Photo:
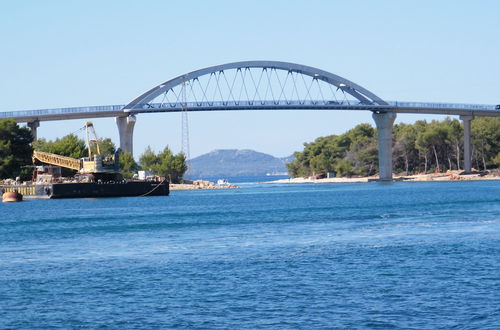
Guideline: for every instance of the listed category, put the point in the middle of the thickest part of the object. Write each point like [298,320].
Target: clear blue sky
[76,53]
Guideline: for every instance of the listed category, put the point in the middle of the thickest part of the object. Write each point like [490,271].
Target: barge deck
[89,190]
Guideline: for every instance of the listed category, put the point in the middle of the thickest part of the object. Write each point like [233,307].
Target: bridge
[263,85]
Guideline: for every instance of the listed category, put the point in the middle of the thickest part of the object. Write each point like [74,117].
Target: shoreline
[200,184]
[447,176]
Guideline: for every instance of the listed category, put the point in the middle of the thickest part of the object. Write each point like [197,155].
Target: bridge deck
[118,110]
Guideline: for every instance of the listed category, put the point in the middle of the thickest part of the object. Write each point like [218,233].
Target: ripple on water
[408,255]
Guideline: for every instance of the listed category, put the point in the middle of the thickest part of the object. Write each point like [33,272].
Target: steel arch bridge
[259,85]
[255,85]
[262,85]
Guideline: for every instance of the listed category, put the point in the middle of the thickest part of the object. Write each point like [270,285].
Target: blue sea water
[246,179]
[418,255]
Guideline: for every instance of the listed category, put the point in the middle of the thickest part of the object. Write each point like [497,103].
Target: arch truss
[255,85]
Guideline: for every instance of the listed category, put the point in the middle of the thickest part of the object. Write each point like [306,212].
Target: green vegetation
[352,153]
[419,147]
[164,164]
[69,146]
[128,166]
[107,147]
[15,150]
[486,142]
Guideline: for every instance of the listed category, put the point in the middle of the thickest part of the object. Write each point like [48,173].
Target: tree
[421,146]
[485,140]
[366,158]
[69,146]
[179,167]
[148,160]
[15,149]
[437,138]
[164,164]
[72,146]
[320,164]
[456,134]
[496,160]
[343,168]
[294,168]
[128,166]
[363,151]
[107,147]
[406,154]
[352,153]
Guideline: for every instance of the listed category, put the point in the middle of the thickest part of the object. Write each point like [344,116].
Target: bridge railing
[61,111]
[310,103]
[432,105]
[245,103]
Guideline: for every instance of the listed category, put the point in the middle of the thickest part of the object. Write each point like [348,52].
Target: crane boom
[91,139]
[95,166]
[57,160]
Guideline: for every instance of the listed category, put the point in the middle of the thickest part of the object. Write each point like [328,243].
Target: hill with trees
[422,147]
[233,162]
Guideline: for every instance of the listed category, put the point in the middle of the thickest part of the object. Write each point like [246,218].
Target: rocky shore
[200,184]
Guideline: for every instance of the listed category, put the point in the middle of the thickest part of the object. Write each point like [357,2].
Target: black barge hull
[90,190]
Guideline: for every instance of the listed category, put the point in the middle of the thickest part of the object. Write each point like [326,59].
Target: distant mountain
[233,162]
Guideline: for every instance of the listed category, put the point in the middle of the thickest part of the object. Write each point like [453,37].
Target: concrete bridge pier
[384,122]
[467,143]
[33,125]
[126,131]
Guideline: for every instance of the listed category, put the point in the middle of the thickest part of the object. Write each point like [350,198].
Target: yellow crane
[57,160]
[94,166]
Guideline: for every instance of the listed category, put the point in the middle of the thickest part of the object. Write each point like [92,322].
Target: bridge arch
[362,95]
[384,113]
[178,86]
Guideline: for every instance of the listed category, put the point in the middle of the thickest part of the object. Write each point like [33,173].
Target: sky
[67,53]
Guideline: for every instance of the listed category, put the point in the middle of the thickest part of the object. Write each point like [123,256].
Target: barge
[89,189]
[97,176]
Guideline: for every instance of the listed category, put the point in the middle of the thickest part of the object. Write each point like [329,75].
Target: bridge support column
[126,131]
[33,125]
[384,122]
[467,143]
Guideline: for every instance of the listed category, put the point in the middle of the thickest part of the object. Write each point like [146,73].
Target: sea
[402,255]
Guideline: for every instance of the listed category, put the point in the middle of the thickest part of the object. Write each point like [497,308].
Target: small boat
[222,182]
[11,196]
